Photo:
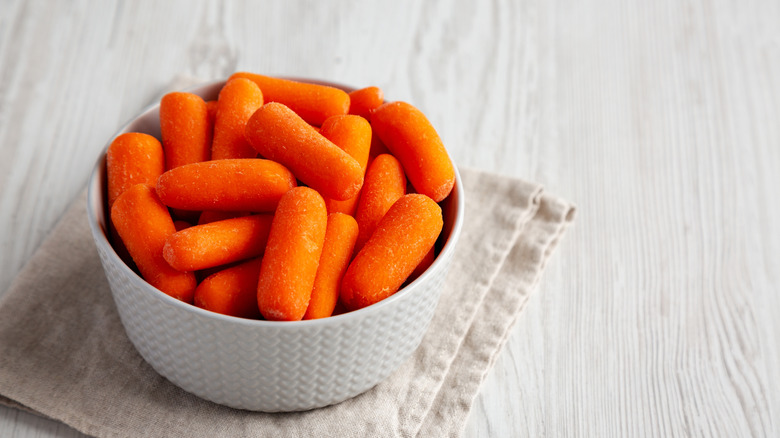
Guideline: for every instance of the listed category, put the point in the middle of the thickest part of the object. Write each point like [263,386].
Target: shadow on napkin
[64,353]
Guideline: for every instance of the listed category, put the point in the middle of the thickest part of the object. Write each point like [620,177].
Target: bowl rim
[99,234]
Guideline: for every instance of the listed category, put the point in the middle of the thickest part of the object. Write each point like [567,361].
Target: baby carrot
[410,136]
[278,134]
[231,291]
[132,158]
[340,237]
[385,183]
[217,243]
[313,103]
[204,148]
[292,255]
[399,244]
[185,128]
[238,100]
[353,135]
[362,101]
[247,184]
[144,223]
[210,216]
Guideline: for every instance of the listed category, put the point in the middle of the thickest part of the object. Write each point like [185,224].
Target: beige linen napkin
[64,353]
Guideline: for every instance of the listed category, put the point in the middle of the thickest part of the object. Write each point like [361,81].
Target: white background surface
[658,315]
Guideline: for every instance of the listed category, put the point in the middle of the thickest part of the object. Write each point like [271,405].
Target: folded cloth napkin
[65,355]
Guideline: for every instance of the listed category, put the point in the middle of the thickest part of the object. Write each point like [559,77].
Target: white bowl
[267,365]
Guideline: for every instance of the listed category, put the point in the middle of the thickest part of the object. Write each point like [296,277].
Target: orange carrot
[247,184]
[278,134]
[144,223]
[399,244]
[231,291]
[410,136]
[189,215]
[385,183]
[353,135]
[292,255]
[238,100]
[133,158]
[185,128]
[313,103]
[210,216]
[217,243]
[340,237]
[362,101]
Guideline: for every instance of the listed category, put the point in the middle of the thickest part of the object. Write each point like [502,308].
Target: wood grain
[659,119]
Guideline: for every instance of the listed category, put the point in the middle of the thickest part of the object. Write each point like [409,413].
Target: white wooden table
[661,120]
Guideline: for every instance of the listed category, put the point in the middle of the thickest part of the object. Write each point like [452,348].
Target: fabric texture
[65,355]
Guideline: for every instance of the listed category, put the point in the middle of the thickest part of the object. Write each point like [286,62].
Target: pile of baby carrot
[280,200]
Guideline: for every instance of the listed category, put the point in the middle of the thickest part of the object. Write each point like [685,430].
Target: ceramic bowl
[267,365]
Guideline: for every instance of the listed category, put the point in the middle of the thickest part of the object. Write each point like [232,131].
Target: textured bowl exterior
[266,365]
